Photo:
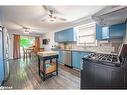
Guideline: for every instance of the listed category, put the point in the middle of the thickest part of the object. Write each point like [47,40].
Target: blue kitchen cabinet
[98,32]
[77,58]
[102,33]
[60,59]
[117,31]
[56,36]
[68,35]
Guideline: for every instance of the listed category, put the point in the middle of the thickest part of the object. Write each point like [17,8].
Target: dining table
[29,51]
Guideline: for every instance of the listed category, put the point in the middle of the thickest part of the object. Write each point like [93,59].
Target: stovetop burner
[104,57]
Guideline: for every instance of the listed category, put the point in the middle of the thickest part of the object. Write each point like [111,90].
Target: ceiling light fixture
[26,30]
[51,20]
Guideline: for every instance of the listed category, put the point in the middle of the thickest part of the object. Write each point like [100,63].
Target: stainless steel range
[105,71]
[107,59]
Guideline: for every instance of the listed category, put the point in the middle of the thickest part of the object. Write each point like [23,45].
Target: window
[87,34]
[26,41]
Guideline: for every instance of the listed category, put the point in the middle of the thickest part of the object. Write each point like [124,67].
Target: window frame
[94,43]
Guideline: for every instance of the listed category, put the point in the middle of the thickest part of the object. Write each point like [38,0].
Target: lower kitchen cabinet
[77,58]
[100,76]
[60,59]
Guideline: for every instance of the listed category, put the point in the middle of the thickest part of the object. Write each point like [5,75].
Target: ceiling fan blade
[55,11]
[47,10]
[60,18]
[50,10]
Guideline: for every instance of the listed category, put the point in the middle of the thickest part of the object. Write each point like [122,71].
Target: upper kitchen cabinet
[68,35]
[98,32]
[56,36]
[112,32]
[117,31]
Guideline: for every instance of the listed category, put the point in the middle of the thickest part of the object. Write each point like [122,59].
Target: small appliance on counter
[105,71]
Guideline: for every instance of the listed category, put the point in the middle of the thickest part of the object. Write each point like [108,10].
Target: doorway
[25,43]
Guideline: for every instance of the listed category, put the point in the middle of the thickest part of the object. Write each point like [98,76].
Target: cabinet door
[76,59]
[117,31]
[56,37]
[87,78]
[62,36]
[99,76]
[60,59]
[117,79]
[94,76]
[98,32]
[68,34]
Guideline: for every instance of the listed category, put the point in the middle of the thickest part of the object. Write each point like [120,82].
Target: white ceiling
[16,17]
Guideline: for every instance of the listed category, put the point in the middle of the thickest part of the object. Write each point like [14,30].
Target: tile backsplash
[112,46]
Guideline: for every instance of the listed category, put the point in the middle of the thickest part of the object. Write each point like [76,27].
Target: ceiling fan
[50,15]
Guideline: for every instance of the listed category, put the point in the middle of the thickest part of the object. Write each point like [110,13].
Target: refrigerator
[4,55]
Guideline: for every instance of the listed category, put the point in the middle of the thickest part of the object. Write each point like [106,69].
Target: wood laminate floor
[24,75]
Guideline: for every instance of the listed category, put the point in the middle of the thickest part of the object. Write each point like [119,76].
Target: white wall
[49,35]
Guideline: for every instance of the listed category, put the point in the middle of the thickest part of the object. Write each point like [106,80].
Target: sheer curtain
[37,44]
[16,51]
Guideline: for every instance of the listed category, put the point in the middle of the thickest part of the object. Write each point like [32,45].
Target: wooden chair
[26,53]
[41,49]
